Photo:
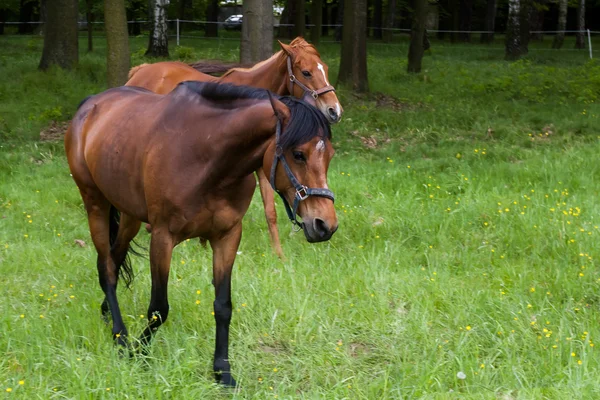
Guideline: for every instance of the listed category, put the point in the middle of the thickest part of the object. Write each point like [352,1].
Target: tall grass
[464,266]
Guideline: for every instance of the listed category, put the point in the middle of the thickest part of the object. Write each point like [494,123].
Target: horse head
[297,162]
[308,73]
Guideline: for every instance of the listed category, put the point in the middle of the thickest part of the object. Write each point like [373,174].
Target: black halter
[293,79]
[302,192]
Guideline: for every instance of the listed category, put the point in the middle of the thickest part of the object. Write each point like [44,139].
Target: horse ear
[278,106]
[287,49]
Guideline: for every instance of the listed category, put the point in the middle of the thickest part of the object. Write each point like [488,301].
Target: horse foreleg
[98,210]
[161,249]
[268,198]
[224,252]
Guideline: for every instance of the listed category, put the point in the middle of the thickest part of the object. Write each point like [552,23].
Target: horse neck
[243,152]
[263,75]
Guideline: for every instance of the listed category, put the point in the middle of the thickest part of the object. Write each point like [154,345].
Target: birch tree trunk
[580,37]
[158,45]
[117,42]
[61,45]
[513,31]
[562,24]
[353,64]
[257,31]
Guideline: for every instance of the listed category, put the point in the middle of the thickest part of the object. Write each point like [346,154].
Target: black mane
[306,122]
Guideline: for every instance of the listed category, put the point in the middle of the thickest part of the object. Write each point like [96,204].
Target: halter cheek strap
[302,192]
[294,80]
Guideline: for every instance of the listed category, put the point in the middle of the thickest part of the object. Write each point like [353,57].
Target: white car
[233,22]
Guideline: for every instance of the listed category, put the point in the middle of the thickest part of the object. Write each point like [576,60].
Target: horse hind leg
[98,210]
[123,228]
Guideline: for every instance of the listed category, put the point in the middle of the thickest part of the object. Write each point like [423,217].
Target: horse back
[163,77]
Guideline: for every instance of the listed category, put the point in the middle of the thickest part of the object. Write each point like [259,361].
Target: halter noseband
[294,80]
[302,192]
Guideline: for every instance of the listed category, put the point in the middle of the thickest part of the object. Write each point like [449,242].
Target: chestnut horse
[295,70]
[183,162]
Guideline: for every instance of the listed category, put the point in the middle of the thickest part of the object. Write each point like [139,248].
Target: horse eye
[306,74]
[299,156]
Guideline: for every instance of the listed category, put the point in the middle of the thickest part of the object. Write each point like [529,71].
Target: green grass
[458,250]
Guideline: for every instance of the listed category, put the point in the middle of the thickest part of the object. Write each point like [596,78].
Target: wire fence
[195,29]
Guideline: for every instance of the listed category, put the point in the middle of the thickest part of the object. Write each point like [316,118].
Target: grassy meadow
[465,265]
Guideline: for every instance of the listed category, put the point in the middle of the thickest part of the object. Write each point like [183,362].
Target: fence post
[590,43]
[177,31]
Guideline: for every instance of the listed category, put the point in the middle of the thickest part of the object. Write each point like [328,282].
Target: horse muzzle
[318,230]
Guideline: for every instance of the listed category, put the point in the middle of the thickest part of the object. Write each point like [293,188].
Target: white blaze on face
[320,67]
[321,146]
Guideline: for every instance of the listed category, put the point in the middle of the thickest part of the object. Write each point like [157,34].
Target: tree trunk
[117,43]
[158,44]
[61,46]
[377,19]
[536,20]
[417,36]
[388,33]
[90,18]
[257,31]
[490,22]
[466,15]
[43,17]
[526,7]
[353,64]
[339,21]
[2,20]
[325,19]
[299,18]
[580,36]
[316,19]
[286,32]
[212,15]
[455,20]
[25,15]
[513,31]
[562,24]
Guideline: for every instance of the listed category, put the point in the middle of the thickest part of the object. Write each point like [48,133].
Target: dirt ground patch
[54,132]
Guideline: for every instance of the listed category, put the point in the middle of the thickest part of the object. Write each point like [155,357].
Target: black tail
[124,267]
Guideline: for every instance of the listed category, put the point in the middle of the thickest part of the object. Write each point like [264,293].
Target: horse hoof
[225,379]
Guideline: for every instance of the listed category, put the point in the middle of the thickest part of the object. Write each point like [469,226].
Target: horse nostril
[320,227]
[332,113]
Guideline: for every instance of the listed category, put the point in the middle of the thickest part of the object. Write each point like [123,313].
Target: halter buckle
[314,94]
[302,193]
[292,78]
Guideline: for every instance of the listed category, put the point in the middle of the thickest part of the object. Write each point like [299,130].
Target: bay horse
[297,70]
[183,162]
